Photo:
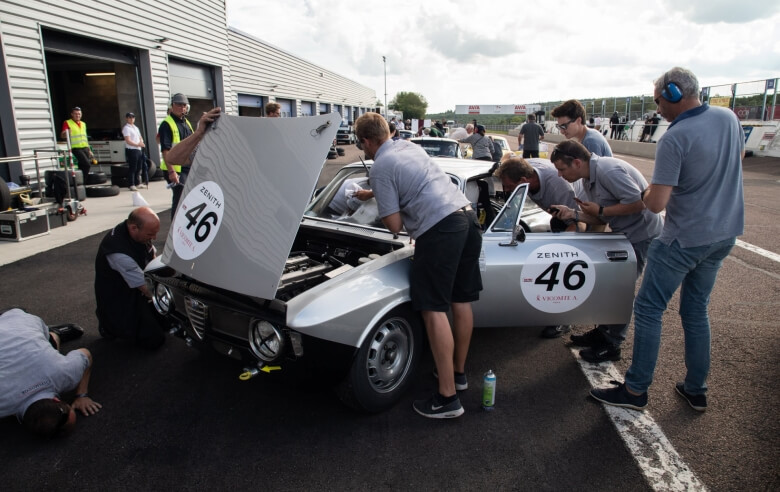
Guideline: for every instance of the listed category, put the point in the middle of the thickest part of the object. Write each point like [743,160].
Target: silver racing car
[257,273]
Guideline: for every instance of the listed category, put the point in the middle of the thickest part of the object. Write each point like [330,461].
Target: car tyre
[96,178]
[102,190]
[385,363]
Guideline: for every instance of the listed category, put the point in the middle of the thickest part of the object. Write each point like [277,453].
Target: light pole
[384,62]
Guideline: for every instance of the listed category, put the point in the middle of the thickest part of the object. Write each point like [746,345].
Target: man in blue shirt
[698,161]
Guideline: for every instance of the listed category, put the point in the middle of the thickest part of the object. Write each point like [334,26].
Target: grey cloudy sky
[521,52]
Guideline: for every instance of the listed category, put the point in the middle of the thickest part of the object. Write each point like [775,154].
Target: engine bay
[318,256]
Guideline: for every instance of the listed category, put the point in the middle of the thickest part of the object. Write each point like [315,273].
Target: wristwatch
[601,210]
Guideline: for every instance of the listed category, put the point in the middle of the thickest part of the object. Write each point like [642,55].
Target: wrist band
[82,395]
[601,211]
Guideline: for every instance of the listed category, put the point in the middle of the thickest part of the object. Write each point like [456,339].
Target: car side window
[509,216]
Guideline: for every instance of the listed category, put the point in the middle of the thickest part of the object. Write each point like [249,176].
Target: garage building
[111,58]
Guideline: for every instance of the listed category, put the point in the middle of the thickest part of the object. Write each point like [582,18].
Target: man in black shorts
[448,240]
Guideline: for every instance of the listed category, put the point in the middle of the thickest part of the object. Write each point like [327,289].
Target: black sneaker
[67,331]
[461,384]
[555,331]
[619,397]
[432,409]
[601,353]
[697,402]
[589,339]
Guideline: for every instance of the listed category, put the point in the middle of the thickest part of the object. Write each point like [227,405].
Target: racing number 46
[203,227]
[572,279]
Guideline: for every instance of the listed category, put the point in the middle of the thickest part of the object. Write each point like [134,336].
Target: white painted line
[761,251]
[663,468]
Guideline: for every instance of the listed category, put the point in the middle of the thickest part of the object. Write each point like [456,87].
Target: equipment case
[20,225]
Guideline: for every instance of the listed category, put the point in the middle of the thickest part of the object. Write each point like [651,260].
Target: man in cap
[133,153]
[79,145]
[174,128]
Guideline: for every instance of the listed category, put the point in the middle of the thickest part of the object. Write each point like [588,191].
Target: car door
[546,278]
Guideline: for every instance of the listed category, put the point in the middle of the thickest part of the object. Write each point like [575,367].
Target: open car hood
[244,199]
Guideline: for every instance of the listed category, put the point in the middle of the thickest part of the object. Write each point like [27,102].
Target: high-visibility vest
[78,134]
[176,139]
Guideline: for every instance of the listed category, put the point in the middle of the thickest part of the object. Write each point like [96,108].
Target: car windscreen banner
[243,200]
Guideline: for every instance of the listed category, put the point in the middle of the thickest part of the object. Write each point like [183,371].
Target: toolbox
[57,216]
[20,225]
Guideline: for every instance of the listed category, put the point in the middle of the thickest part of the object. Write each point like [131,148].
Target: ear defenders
[671,92]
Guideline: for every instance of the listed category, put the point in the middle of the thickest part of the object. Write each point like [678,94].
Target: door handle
[617,255]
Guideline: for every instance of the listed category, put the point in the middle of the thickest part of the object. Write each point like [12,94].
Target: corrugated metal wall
[196,32]
[191,31]
[258,68]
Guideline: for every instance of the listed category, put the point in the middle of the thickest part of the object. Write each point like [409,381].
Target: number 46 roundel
[198,219]
[557,278]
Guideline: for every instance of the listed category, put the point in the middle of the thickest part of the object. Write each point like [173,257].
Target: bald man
[123,307]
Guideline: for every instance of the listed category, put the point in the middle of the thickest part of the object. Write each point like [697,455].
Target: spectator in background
[394,132]
[702,149]
[134,155]
[614,124]
[273,110]
[530,135]
[79,144]
[482,147]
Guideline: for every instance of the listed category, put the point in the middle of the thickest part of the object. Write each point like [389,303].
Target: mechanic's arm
[656,197]
[393,222]
[130,272]
[592,208]
[566,213]
[181,154]
[86,405]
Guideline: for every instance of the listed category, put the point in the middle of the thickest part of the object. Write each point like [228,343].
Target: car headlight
[265,340]
[162,298]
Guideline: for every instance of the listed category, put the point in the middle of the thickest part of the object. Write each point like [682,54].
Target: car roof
[464,169]
[435,139]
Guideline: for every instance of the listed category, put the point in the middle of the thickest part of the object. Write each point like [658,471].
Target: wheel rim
[389,355]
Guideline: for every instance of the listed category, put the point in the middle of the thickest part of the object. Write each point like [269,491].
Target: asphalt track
[178,419]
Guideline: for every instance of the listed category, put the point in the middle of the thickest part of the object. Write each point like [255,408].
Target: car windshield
[439,148]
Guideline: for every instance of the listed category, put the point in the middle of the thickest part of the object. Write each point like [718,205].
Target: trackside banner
[497,108]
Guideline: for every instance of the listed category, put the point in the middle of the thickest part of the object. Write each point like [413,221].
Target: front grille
[198,313]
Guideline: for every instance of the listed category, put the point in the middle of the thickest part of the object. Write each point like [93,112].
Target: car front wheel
[383,368]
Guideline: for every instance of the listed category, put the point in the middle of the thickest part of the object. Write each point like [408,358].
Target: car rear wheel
[383,368]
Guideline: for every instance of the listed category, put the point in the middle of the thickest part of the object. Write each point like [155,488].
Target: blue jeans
[668,267]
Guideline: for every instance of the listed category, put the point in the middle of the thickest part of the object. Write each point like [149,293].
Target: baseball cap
[480,128]
[179,98]
[75,108]
[129,115]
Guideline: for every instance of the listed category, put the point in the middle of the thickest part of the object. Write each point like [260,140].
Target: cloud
[727,11]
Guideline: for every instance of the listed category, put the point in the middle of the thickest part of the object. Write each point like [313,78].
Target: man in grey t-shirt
[412,192]
[530,135]
[611,194]
[698,180]
[34,374]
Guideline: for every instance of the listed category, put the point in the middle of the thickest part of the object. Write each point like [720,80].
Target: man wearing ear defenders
[698,180]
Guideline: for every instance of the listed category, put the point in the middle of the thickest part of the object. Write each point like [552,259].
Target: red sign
[520,109]
[474,109]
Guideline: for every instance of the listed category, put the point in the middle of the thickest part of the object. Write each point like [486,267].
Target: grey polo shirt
[595,142]
[553,189]
[405,179]
[614,181]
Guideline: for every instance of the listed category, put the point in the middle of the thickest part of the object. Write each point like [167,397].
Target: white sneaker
[133,188]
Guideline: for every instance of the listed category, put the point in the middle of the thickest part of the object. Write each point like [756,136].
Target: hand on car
[561,212]
[363,195]
[208,118]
